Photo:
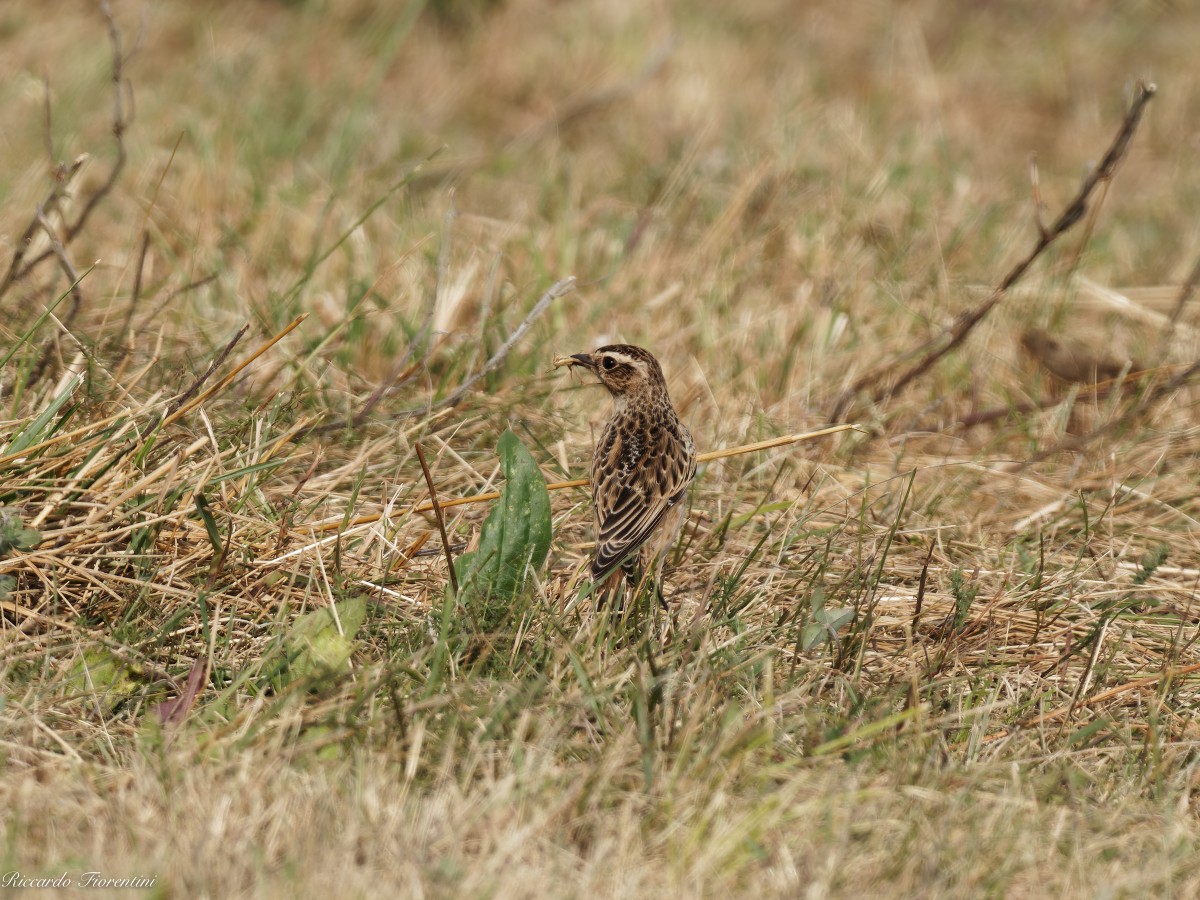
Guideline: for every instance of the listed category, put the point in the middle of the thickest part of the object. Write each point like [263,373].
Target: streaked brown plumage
[642,466]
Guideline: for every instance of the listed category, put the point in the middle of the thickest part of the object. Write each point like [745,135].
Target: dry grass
[953,656]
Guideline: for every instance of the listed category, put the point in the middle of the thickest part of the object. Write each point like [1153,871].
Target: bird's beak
[579,359]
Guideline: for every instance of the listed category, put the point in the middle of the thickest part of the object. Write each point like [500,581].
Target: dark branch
[64,262]
[138,274]
[122,118]
[441,520]
[1185,294]
[199,382]
[73,279]
[932,351]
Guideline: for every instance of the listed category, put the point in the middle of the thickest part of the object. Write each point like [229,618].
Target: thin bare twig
[921,586]
[404,369]
[984,416]
[137,287]
[1185,294]
[73,280]
[64,262]
[938,347]
[137,277]
[121,120]
[1100,390]
[62,178]
[441,521]
[212,367]
[19,267]
[237,370]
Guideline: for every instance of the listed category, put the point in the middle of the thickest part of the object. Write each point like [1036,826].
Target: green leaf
[825,623]
[516,534]
[833,619]
[100,674]
[811,635]
[14,535]
[316,645]
[210,524]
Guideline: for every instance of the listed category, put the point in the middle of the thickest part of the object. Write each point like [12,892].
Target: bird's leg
[641,577]
[611,587]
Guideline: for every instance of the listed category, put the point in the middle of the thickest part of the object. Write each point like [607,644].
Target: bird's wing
[633,491]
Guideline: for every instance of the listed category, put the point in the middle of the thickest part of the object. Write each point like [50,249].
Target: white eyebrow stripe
[633,361]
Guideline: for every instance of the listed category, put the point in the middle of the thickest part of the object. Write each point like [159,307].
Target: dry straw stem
[1074,211]
[93,429]
[596,759]
[1066,710]
[1171,673]
[771,443]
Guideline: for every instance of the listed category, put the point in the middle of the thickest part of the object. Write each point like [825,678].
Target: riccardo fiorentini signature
[14,879]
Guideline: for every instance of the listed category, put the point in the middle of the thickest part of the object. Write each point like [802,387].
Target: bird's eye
[609,363]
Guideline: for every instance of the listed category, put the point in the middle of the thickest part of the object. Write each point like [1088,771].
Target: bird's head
[622,368]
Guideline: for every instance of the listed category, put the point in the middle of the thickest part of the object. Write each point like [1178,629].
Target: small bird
[643,464]
[1072,360]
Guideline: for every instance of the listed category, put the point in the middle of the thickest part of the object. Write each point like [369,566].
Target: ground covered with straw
[257,259]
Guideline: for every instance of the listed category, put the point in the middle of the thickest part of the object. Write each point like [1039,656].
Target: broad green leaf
[516,534]
[100,673]
[811,635]
[834,619]
[824,624]
[315,643]
[14,534]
